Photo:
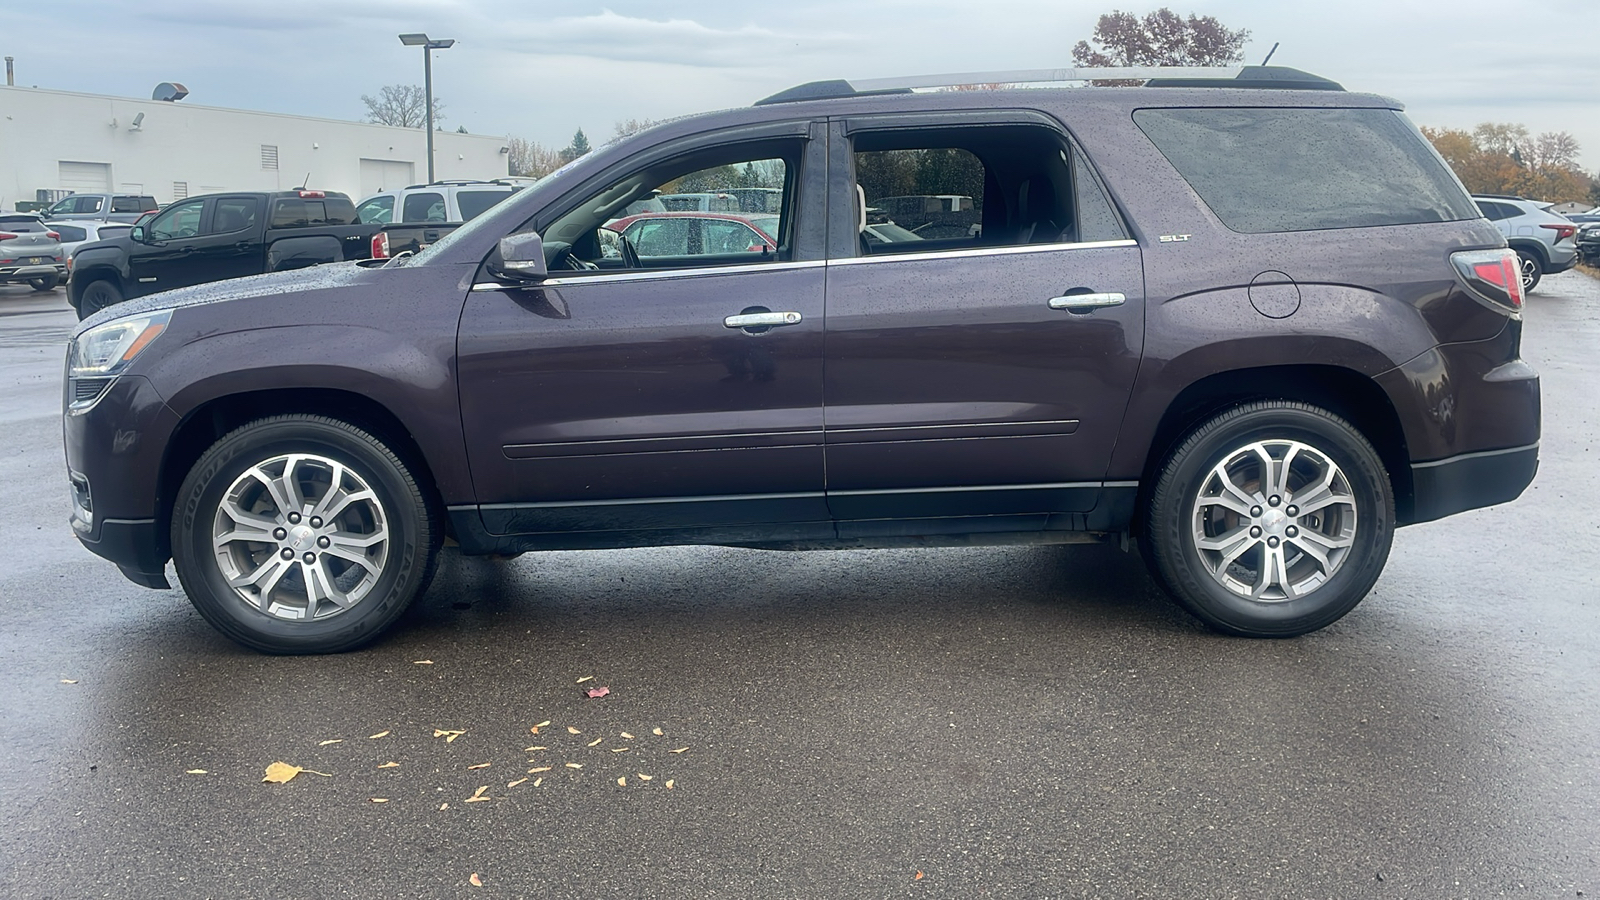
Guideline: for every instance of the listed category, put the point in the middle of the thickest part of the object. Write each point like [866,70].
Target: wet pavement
[1011,722]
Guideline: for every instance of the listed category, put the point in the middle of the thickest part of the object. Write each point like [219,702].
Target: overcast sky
[542,70]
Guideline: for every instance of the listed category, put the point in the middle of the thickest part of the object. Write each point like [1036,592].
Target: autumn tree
[532,159]
[405,105]
[1161,38]
[1500,158]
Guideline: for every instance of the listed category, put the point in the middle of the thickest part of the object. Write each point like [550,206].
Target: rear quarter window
[474,203]
[1275,169]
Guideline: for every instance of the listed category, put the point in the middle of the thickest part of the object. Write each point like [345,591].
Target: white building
[62,141]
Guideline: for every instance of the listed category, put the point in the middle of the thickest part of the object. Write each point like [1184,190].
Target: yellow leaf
[282,773]
[197,772]
[574,765]
[595,741]
[334,741]
[512,784]
[657,732]
[373,737]
[389,765]
[477,795]
[537,770]
[542,724]
[626,736]
[623,781]
[422,662]
[571,730]
[643,776]
[619,749]
[479,766]
[538,781]
[534,749]
[476,881]
[679,750]
[69,681]
[585,678]
[479,799]
[479,791]
[449,736]
[444,806]
[669,784]
[380,799]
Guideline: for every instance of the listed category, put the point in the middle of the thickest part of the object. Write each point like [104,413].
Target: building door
[85,177]
[384,175]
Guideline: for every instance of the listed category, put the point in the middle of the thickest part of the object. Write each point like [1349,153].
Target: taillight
[53,235]
[1562,231]
[1493,275]
[7,236]
[380,246]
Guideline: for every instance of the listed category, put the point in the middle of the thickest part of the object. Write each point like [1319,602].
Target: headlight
[102,353]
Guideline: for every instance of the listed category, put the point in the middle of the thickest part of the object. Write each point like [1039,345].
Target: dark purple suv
[1254,324]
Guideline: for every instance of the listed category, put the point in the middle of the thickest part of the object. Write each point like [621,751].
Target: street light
[427,44]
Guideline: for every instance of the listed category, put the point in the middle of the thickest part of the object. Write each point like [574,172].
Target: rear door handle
[757,320]
[1087,302]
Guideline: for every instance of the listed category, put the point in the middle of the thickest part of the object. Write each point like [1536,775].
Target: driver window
[179,220]
[707,209]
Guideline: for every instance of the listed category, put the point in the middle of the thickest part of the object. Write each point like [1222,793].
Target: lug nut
[279,534]
[1292,510]
[316,521]
[1292,531]
[287,553]
[294,518]
[1274,500]
[1271,542]
[1255,531]
[324,543]
[1255,511]
[309,557]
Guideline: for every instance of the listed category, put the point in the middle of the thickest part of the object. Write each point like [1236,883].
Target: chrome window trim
[983,251]
[655,274]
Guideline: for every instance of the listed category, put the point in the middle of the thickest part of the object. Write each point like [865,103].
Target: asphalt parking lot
[1009,722]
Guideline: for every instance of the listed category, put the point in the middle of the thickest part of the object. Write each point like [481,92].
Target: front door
[624,400]
[165,258]
[985,323]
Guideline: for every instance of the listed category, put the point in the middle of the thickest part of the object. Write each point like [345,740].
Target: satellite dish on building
[169,90]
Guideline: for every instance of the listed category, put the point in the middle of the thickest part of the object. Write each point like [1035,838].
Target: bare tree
[633,126]
[1161,38]
[532,159]
[405,105]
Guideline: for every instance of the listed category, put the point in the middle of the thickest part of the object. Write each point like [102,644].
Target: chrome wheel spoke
[1274,574]
[263,579]
[247,527]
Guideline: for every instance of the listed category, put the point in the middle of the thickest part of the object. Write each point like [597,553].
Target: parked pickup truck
[218,236]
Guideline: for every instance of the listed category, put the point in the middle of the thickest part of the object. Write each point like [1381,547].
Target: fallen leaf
[539,769]
[597,693]
[595,741]
[918,876]
[619,749]
[334,741]
[444,806]
[197,772]
[512,784]
[533,749]
[449,736]
[422,662]
[643,776]
[538,781]
[585,678]
[657,732]
[389,765]
[623,781]
[380,799]
[679,750]
[626,736]
[282,773]
[479,766]
[542,724]
[69,681]
[669,784]
[476,881]
[574,765]
[373,737]
[477,795]
[571,730]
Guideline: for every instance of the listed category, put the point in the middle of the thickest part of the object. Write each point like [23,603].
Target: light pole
[427,44]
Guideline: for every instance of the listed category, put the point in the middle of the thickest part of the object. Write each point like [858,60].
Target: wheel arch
[83,276]
[1534,247]
[207,423]
[1343,392]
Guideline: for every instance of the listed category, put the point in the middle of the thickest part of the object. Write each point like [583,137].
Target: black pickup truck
[217,236]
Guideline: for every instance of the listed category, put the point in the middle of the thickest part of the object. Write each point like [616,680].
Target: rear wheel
[303,534]
[1532,269]
[1272,519]
[97,296]
[47,283]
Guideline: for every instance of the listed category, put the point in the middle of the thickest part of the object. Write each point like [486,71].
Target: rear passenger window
[474,203]
[423,207]
[127,204]
[233,214]
[1267,170]
[71,234]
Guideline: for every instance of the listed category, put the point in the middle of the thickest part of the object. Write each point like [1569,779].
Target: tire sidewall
[1180,561]
[100,294]
[209,480]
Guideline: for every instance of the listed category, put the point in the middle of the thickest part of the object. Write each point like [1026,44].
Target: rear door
[975,381]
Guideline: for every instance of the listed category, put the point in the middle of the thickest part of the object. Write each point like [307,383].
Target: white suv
[441,201]
[1544,241]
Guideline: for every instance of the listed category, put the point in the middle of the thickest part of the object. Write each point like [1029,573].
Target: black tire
[45,284]
[1172,517]
[1532,269]
[97,295]
[410,517]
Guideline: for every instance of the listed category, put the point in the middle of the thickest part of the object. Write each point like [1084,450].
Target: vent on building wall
[269,156]
[180,190]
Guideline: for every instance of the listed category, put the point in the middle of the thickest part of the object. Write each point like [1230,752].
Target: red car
[655,234]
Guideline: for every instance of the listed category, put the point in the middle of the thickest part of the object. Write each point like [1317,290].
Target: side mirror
[522,257]
[137,234]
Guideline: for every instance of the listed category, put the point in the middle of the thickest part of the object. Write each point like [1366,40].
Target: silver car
[1545,242]
[30,252]
[76,234]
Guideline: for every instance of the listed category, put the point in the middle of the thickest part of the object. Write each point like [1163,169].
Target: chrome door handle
[1087,302]
[757,320]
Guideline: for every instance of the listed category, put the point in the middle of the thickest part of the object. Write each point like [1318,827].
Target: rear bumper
[1445,487]
[27,273]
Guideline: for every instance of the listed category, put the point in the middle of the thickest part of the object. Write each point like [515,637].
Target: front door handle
[762,319]
[1087,302]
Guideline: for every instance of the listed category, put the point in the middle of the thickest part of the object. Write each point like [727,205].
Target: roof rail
[1255,77]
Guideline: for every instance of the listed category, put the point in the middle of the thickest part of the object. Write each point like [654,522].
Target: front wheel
[97,296]
[302,534]
[1272,519]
